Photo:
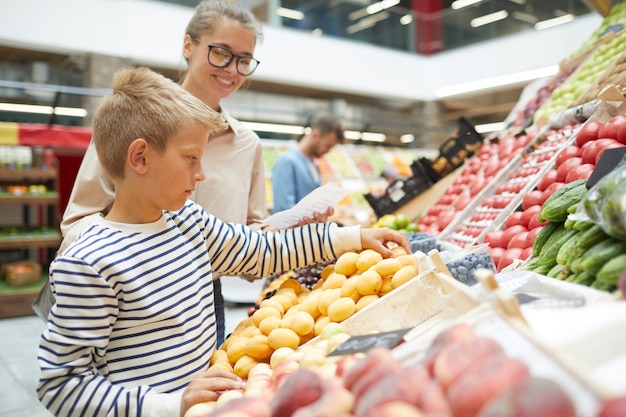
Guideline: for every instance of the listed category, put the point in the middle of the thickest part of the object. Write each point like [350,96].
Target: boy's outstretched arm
[378,238]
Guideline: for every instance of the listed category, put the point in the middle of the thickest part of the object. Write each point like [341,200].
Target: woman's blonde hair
[209,12]
[144,104]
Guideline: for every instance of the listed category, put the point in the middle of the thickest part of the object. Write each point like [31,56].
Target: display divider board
[430,294]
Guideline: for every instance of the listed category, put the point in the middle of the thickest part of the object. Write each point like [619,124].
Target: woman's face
[208,83]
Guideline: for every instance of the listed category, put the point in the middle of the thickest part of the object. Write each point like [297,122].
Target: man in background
[296,173]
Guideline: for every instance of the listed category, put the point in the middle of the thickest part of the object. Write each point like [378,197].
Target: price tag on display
[365,342]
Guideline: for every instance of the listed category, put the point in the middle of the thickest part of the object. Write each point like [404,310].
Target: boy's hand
[208,386]
[378,238]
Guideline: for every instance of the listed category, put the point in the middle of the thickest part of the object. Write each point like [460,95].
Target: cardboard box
[21,273]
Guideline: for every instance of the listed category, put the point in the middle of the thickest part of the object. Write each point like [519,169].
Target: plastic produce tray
[470,227]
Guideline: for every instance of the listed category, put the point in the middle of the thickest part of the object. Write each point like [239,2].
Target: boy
[133,327]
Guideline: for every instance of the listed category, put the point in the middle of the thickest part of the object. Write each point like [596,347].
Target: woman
[218,46]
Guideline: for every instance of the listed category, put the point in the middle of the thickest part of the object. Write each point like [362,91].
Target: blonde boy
[133,327]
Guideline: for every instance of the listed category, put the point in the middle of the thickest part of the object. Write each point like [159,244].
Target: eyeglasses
[221,57]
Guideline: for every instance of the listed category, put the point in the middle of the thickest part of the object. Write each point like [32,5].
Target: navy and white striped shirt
[134,320]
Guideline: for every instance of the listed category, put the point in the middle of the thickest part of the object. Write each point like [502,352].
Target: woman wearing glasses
[218,46]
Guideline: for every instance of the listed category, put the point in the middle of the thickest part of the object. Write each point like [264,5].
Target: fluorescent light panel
[544,24]
[37,109]
[489,18]
[289,13]
[459,4]
[499,81]
[276,128]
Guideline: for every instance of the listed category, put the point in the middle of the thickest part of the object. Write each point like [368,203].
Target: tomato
[526,253]
[551,189]
[547,179]
[567,153]
[621,134]
[477,185]
[529,213]
[567,166]
[601,148]
[518,241]
[508,257]
[509,232]
[496,254]
[534,222]
[445,218]
[513,219]
[462,201]
[494,238]
[532,235]
[588,133]
[532,198]
[610,128]
[581,172]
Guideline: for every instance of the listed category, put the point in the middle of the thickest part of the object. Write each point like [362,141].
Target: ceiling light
[365,136]
[380,6]
[276,128]
[372,9]
[544,24]
[490,127]
[406,19]
[408,138]
[488,18]
[37,109]
[459,4]
[290,13]
[499,81]
[367,22]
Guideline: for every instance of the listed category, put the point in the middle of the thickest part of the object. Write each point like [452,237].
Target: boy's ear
[137,155]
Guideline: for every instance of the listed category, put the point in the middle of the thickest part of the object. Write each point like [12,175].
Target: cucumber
[611,270]
[599,254]
[555,207]
[566,251]
[531,264]
[602,286]
[584,278]
[590,237]
[543,235]
[582,225]
[554,243]
[557,272]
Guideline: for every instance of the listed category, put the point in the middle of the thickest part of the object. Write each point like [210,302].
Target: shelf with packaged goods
[29,233]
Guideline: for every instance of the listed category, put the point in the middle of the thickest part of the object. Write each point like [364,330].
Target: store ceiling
[481,107]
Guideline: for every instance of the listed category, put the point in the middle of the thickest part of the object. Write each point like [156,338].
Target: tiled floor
[19,371]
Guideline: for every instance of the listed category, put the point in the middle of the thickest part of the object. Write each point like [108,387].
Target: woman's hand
[378,238]
[208,386]
[317,217]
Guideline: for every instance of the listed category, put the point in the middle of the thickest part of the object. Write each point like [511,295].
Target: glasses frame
[228,61]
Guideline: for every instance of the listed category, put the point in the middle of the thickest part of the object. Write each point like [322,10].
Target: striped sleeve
[236,249]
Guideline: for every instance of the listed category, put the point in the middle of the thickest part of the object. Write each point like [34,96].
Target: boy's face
[176,171]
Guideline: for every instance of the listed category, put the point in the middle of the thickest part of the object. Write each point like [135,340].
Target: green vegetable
[611,270]
[543,235]
[599,254]
[554,243]
[555,207]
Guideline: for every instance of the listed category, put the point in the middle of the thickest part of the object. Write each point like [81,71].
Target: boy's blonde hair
[144,104]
